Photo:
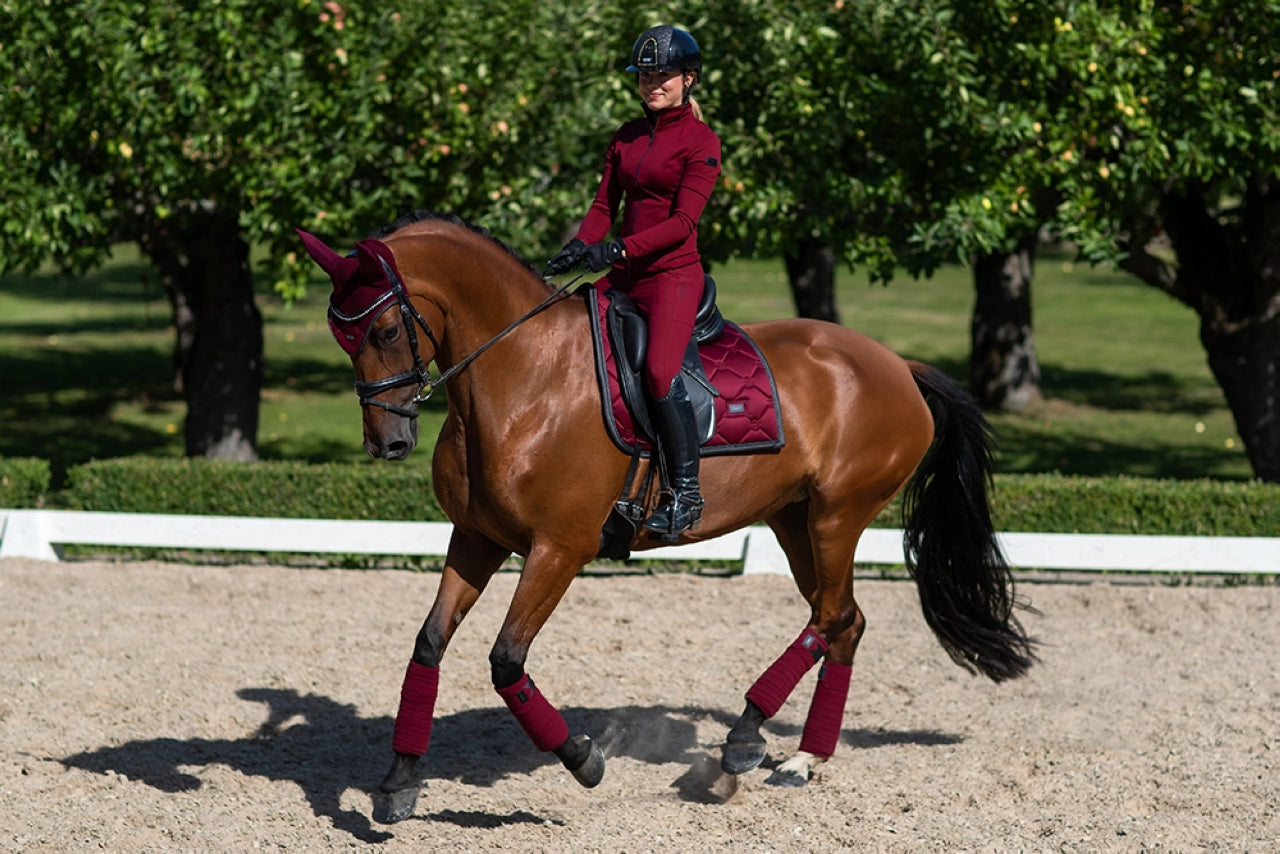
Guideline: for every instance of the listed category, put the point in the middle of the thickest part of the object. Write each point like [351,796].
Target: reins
[420,374]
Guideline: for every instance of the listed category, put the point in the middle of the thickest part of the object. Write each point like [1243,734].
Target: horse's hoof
[739,757]
[787,779]
[391,807]
[591,771]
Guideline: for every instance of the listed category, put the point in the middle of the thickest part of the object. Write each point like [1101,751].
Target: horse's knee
[836,625]
[506,664]
[857,625]
[845,642]
[429,646]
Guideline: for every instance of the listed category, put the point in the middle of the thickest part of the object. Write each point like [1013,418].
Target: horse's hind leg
[546,576]
[825,578]
[826,710]
[469,565]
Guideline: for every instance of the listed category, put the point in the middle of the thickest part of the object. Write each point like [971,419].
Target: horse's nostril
[396,450]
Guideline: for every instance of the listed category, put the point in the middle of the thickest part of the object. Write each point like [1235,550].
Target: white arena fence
[39,534]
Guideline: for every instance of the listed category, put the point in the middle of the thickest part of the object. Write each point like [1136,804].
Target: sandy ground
[148,707]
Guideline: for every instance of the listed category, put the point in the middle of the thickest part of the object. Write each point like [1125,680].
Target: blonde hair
[697,109]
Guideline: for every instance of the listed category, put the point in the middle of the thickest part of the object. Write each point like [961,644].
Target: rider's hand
[602,255]
[568,257]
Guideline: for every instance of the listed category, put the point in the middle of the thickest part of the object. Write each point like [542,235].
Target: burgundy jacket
[666,165]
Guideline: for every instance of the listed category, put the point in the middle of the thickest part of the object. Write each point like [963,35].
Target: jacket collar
[666,117]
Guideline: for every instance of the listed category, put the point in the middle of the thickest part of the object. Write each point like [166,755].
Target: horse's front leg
[546,576]
[470,564]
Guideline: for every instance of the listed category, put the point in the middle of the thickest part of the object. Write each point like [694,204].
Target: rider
[665,164]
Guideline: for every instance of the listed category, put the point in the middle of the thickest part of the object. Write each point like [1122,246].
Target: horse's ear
[338,267]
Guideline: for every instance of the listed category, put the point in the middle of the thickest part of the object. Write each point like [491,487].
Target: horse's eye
[388,335]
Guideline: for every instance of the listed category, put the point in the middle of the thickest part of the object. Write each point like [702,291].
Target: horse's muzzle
[393,437]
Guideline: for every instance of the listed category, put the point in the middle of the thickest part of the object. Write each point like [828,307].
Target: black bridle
[411,318]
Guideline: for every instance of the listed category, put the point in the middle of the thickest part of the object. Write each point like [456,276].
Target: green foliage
[916,133]
[24,482]
[268,489]
[335,117]
[905,134]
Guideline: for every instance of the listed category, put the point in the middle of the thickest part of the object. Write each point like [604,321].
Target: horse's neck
[473,283]
[482,309]
[506,383]
[480,291]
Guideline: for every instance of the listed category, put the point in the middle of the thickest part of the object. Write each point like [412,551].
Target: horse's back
[802,351]
[846,398]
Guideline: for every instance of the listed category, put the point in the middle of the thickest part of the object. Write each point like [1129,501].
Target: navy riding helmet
[665,48]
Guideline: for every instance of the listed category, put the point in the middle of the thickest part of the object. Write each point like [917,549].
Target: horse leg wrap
[537,717]
[826,712]
[412,732]
[776,684]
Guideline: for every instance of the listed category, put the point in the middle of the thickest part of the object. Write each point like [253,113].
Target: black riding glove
[568,257]
[602,255]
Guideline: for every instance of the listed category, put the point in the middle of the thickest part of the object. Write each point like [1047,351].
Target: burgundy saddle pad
[748,418]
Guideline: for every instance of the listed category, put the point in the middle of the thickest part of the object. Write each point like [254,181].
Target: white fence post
[23,533]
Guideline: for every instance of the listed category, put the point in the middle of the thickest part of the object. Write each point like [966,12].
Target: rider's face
[661,90]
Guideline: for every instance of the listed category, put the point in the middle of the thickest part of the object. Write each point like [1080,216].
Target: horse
[523,465]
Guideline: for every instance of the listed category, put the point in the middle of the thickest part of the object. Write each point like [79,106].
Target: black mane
[427,216]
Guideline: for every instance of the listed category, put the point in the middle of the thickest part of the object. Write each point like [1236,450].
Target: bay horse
[523,465]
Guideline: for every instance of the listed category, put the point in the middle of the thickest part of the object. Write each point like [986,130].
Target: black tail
[964,581]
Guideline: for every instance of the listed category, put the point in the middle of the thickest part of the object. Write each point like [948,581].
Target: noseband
[411,318]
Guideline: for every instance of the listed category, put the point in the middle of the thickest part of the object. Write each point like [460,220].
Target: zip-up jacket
[666,165]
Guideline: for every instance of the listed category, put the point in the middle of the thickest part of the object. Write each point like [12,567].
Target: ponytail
[688,93]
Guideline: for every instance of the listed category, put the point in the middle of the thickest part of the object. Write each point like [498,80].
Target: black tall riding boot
[678,442]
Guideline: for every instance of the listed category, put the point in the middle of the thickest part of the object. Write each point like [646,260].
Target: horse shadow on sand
[325,747]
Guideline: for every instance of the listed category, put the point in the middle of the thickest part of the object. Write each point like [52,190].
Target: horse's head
[391,369]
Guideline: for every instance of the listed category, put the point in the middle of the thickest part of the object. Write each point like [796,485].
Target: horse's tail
[964,581]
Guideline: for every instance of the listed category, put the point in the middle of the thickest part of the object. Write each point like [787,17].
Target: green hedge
[278,489]
[1132,505]
[1054,504]
[1034,503]
[24,482]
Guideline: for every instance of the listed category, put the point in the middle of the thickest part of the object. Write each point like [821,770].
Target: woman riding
[665,165]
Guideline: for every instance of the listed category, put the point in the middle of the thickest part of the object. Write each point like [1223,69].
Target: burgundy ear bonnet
[361,289]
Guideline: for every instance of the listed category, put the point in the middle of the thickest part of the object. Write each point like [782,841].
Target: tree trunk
[811,271]
[184,332]
[1228,270]
[204,264]
[1003,370]
[1244,362]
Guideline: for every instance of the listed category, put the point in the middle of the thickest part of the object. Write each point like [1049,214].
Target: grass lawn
[85,369]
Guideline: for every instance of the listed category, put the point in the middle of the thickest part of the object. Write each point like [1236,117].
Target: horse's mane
[429,216]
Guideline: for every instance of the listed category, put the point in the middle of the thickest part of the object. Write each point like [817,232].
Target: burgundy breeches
[669,300]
